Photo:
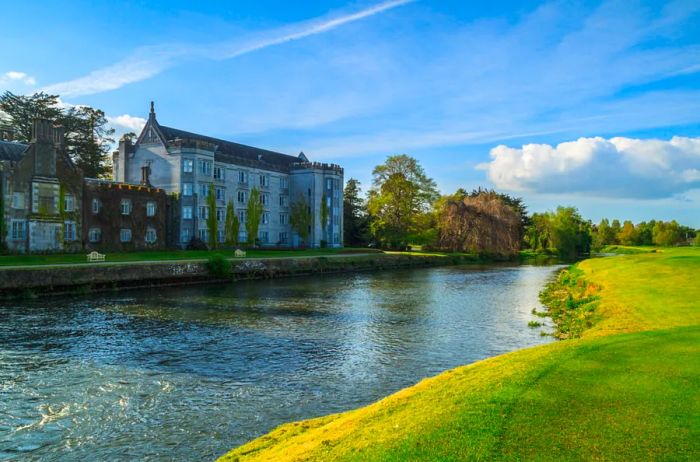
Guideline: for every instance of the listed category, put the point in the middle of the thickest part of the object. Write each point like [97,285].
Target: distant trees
[482,222]
[563,231]
[644,233]
[666,233]
[355,217]
[300,218]
[399,202]
[254,213]
[87,134]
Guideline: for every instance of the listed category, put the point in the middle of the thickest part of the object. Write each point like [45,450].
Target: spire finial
[153,110]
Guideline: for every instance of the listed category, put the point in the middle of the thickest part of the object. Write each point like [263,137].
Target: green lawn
[629,389]
[78,258]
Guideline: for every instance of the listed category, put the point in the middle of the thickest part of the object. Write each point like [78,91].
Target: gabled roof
[10,150]
[230,152]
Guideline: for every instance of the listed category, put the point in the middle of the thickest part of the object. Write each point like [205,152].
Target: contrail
[147,62]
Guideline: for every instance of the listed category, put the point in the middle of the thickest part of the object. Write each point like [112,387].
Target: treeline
[403,207]
[88,137]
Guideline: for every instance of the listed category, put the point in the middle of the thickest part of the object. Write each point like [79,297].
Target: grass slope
[629,389]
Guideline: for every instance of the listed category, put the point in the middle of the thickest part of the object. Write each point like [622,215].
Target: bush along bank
[571,302]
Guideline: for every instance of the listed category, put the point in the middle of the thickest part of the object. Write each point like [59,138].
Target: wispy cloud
[17,77]
[146,62]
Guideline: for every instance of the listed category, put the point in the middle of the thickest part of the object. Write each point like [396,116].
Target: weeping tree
[300,218]
[212,223]
[231,226]
[254,212]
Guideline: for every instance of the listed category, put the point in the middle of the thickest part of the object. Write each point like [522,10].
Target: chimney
[146,175]
[45,140]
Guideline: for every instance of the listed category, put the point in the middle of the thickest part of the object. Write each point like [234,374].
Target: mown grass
[628,389]
[145,256]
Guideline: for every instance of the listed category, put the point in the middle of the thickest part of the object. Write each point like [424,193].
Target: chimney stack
[146,175]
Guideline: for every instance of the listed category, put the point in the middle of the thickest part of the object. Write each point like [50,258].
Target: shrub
[218,266]
[196,244]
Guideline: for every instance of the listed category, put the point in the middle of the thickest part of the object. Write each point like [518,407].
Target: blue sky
[592,104]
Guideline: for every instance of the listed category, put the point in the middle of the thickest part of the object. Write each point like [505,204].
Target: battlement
[318,166]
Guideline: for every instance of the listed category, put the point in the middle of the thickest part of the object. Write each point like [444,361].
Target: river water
[188,373]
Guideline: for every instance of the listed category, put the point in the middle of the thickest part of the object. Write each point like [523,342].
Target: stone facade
[188,164]
[42,194]
[120,217]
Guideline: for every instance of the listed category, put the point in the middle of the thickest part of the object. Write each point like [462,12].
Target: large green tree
[88,137]
[254,214]
[604,234]
[300,218]
[232,226]
[399,201]
[355,218]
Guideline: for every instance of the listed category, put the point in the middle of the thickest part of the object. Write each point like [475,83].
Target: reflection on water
[188,373]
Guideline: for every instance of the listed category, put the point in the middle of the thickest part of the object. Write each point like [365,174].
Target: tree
[628,234]
[401,196]
[355,222]
[254,213]
[212,222]
[537,234]
[697,238]
[231,226]
[571,235]
[616,228]
[644,233]
[300,218]
[667,233]
[88,137]
[604,234]
[325,215]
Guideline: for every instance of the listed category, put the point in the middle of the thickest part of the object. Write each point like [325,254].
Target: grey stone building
[188,164]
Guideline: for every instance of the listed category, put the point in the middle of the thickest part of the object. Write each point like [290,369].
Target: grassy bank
[628,389]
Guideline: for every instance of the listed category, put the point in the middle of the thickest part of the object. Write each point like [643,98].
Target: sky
[590,104]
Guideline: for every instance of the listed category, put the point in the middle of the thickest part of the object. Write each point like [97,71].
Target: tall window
[264,237]
[241,216]
[283,219]
[150,208]
[125,235]
[186,189]
[18,200]
[265,218]
[264,181]
[265,199]
[204,189]
[220,214]
[150,237]
[219,173]
[242,177]
[205,167]
[242,197]
[69,231]
[284,201]
[95,235]
[220,194]
[185,237]
[203,212]
[284,183]
[187,165]
[68,203]
[96,206]
[19,229]
[283,237]
[329,183]
[187,212]
[125,206]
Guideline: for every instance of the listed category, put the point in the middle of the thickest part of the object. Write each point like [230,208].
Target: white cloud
[17,77]
[616,167]
[147,62]
[129,122]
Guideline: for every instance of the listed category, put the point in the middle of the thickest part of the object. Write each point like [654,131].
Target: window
[187,212]
[219,173]
[186,189]
[221,235]
[96,206]
[284,183]
[69,231]
[220,214]
[69,203]
[264,181]
[204,234]
[283,218]
[185,237]
[220,194]
[283,237]
[18,200]
[265,199]
[203,212]
[336,238]
[150,209]
[150,237]
[241,216]
[284,201]
[242,177]
[329,183]
[242,197]
[204,167]
[204,189]
[125,206]
[187,165]
[95,235]
[125,235]
[19,228]
[265,218]
[264,237]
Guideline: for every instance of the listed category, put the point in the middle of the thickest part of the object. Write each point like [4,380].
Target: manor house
[190,165]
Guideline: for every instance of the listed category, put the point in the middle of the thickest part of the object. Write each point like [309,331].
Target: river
[188,373]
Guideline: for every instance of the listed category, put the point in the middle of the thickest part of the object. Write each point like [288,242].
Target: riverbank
[34,280]
[625,390]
